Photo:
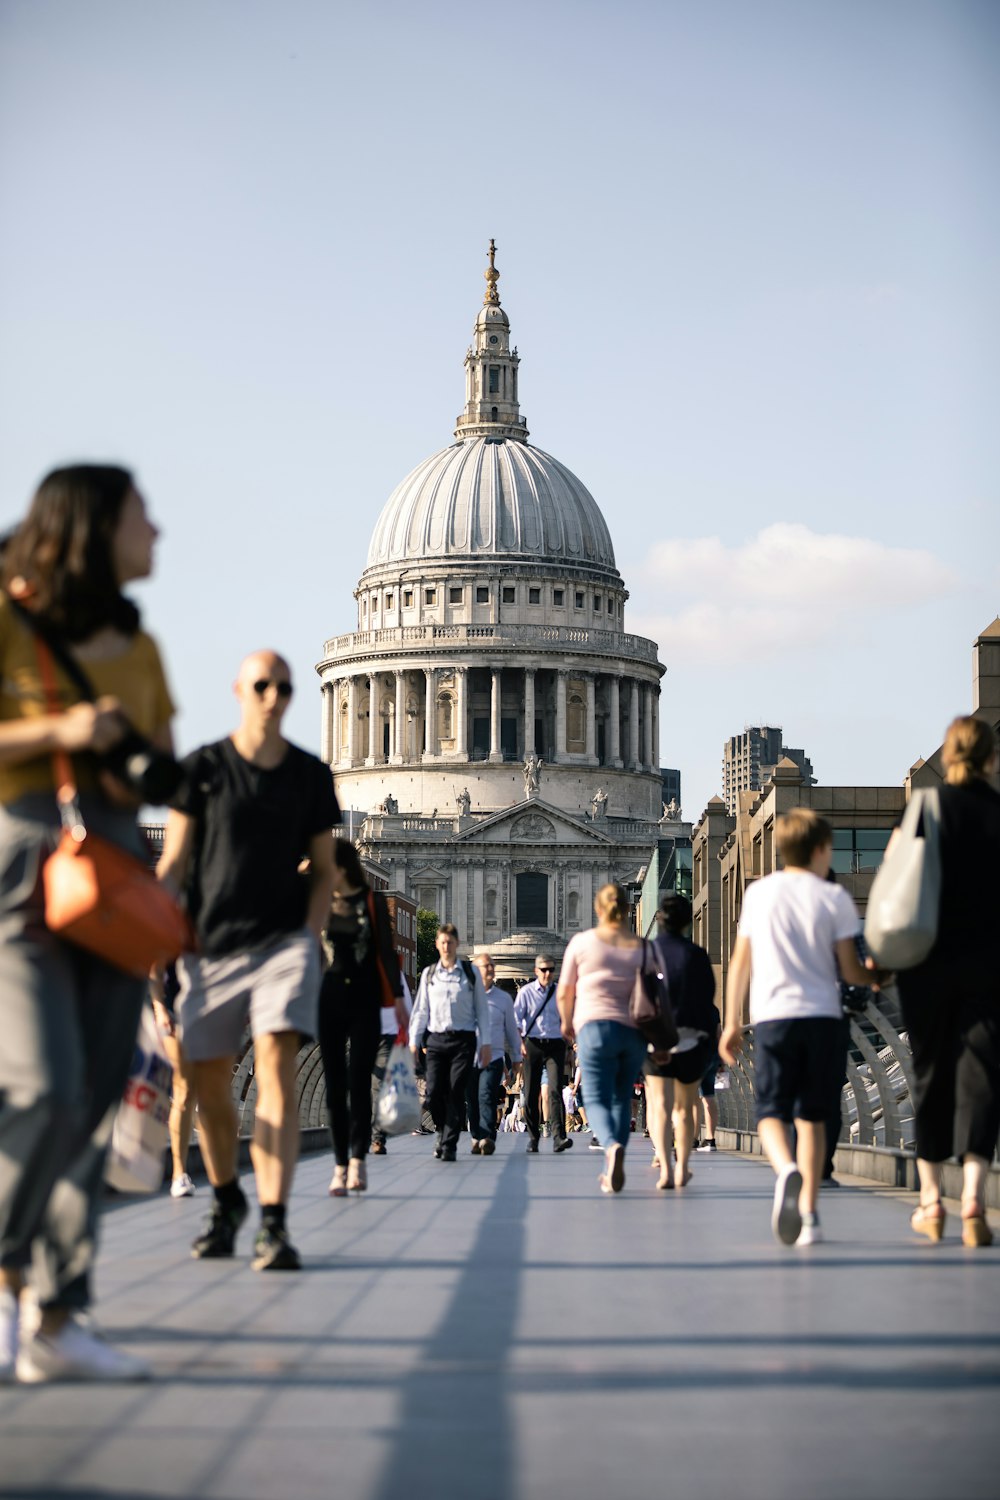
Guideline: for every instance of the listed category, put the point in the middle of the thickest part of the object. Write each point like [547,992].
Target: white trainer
[9,1324]
[786,1220]
[182,1187]
[810,1233]
[75,1353]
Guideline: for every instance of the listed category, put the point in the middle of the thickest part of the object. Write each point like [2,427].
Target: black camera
[154,775]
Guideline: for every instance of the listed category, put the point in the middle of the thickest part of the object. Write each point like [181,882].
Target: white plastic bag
[398,1109]
[901,919]
[139,1138]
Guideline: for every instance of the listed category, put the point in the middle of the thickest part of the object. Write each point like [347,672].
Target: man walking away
[252,807]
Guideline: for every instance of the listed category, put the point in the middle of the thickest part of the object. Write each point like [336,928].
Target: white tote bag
[397,1111]
[901,921]
[139,1138]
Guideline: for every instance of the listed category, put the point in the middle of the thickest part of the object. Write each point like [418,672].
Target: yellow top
[136,678]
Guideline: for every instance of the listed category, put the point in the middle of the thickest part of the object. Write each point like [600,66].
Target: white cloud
[784,589]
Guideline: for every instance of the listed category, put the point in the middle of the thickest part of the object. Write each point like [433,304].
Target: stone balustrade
[542,637]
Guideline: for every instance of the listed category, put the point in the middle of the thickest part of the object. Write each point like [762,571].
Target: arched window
[445,716]
[344,731]
[491,908]
[575,731]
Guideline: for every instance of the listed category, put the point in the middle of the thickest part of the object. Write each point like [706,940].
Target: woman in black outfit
[364,968]
[672,1081]
[951,1001]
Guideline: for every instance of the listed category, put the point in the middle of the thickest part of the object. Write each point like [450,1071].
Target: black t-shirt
[244,891]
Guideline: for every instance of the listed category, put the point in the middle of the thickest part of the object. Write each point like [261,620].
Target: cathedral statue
[532,775]
[463,802]
[599,805]
[391,805]
[671,812]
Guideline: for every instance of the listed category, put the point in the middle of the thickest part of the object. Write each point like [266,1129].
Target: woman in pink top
[598,974]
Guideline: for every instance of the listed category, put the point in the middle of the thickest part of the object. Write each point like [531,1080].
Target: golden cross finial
[492,276]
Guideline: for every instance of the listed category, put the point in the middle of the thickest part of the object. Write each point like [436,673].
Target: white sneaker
[75,1353]
[786,1221]
[9,1325]
[182,1187]
[810,1233]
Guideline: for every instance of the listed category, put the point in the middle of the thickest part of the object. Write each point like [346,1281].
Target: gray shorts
[276,989]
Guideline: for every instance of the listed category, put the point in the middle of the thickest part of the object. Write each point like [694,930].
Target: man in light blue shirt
[485,1079]
[451,1007]
[543,1047]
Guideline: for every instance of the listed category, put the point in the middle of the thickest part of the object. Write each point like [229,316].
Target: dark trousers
[835,1119]
[954,1026]
[449,1059]
[550,1055]
[483,1098]
[386,1042]
[350,1024]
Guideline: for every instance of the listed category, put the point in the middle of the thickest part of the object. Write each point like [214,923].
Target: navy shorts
[798,1068]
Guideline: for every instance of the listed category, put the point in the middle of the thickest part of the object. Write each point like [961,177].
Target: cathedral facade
[490,717]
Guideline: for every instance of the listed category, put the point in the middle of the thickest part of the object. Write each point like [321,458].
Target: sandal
[357,1175]
[976,1232]
[338,1183]
[928,1219]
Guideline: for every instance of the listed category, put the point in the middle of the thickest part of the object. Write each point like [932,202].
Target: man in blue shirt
[451,1006]
[543,1047]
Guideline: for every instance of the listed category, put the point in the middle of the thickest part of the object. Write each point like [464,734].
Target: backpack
[466,967]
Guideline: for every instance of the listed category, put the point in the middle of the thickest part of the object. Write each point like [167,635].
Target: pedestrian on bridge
[598,974]
[951,1001]
[450,1008]
[543,1048]
[69,1018]
[795,931]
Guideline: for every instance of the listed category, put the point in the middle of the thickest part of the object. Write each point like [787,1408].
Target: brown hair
[798,833]
[969,745]
[449,929]
[347,858]
[674,914]
[60,557]
[611,903]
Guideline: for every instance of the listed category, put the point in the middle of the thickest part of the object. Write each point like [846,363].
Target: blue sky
[750,255]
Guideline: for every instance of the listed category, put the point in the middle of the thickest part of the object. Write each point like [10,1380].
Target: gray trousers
[68,1024]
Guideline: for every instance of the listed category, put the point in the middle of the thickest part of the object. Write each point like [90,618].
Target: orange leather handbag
[97,895]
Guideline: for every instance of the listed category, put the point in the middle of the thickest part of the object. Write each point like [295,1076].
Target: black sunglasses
[283,689]
[545,968]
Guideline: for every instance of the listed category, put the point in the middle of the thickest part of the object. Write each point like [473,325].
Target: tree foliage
[427,926]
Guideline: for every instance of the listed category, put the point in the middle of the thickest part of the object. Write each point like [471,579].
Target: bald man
[251,808]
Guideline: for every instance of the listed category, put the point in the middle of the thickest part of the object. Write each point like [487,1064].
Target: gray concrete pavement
[498,1328]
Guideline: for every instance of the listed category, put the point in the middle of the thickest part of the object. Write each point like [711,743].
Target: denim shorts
[798,1067]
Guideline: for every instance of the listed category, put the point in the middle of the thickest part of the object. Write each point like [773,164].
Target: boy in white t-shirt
[796,931]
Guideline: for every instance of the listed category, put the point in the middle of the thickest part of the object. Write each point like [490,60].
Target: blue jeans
[611,1058]
[484,1095]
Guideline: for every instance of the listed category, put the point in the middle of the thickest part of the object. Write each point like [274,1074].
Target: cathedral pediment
[534,822]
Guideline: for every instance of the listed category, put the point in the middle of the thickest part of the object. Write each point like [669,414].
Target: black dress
[951,1001]
[350,1017]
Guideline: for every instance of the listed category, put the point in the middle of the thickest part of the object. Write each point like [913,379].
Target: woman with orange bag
[363,974]
[69,1017]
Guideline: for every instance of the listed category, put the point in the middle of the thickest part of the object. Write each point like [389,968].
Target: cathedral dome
[491,497]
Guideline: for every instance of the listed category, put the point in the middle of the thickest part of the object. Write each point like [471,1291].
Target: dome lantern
[491,405]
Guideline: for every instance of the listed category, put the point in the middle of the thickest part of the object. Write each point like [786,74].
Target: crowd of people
[289,939]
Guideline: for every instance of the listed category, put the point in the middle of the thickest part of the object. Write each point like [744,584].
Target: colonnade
[427,713]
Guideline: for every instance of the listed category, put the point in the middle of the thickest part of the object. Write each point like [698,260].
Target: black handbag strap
[58,649]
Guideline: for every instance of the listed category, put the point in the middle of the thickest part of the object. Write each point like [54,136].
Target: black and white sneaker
[708,1145]
[273,1251]
[786,1220]
[218,1238]
[595,1144]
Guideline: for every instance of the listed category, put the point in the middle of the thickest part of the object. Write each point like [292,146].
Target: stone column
[399,748]
[462,709]
[633,726]
[591,719]
[496,754]
[374,748]
[560,717]
[352,720]
[655,693]
[614,747]
[326,724]
[647,728]
[529,711]
[430,711]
